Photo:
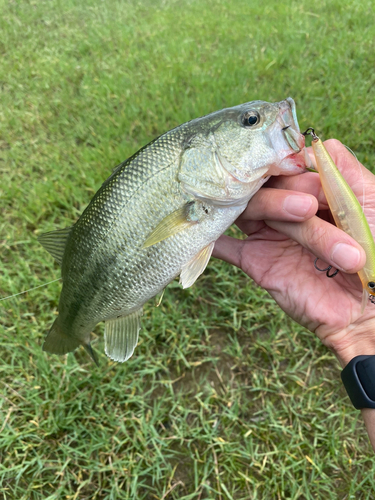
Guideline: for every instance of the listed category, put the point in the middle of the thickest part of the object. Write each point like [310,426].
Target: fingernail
[297,205]
[345,256]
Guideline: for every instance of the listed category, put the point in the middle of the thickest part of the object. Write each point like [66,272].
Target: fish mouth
[292,137]
[292,105]
[287,119]
[286,139]
[294,160]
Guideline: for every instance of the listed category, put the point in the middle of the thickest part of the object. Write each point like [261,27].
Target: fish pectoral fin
[175,222]
[55,242]
[194,268]
[57,342]
[121,336]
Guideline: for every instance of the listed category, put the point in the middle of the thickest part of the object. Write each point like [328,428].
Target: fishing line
[30,289]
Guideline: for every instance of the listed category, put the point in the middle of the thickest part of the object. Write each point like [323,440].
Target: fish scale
[158,215]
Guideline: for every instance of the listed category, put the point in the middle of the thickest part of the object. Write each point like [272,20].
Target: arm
[284,235]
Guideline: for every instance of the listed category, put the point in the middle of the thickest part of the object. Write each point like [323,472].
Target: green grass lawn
[225,397]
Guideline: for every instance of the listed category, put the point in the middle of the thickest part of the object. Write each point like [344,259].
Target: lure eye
[371,285]
[250,118]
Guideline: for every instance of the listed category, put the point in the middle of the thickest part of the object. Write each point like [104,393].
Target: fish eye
[371,285]
[250,118]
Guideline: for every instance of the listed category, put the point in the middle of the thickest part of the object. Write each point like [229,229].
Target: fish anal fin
[57,342]
[121,336]
[173,223]
[55,242]
[194,268]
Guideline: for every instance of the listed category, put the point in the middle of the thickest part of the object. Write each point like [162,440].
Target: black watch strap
[358,377]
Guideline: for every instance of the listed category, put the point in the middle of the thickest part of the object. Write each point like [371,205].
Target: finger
[353,171]
[308,183]
[280,204]
[325,241]
[349,166]
[228,249]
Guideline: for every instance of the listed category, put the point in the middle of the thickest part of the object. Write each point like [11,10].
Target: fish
[347,213]
[158,215]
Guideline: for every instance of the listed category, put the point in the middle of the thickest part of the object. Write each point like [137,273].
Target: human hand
[284,238]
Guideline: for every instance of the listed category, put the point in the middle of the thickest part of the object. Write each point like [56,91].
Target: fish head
[262,135]
[230,153]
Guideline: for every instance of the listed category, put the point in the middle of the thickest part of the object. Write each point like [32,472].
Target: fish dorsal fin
[121,336]
[55,242]
[177,221]
[194,268]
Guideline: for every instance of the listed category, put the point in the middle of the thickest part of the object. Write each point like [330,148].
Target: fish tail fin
[57,342]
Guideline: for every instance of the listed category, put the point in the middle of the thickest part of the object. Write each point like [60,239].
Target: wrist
[354,341]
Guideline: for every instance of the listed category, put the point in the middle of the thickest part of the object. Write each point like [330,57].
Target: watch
[358,377]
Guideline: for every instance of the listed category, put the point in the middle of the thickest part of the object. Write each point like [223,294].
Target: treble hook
[326,269]
[310,131]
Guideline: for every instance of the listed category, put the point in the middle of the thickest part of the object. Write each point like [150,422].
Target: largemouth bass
[158,216]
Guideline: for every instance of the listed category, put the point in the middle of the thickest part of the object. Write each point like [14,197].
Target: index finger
[308,183]
[280,204]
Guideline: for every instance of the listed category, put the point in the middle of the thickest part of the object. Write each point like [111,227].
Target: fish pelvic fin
[90,351]
[57,342]
[191,271]
[55,242]
[121,336]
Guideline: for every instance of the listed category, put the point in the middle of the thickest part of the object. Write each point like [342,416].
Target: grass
[225,397]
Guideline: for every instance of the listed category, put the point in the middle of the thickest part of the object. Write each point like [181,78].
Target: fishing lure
[347,213]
